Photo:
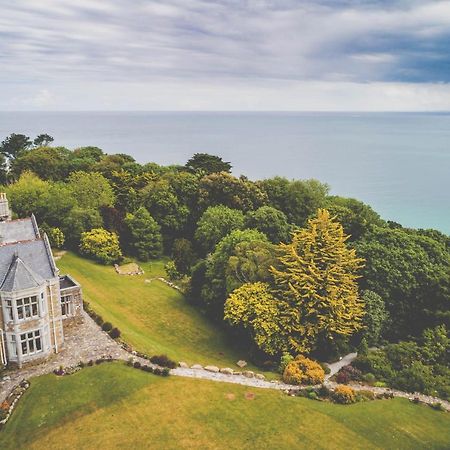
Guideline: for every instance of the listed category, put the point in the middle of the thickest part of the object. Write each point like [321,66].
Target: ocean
[399,163]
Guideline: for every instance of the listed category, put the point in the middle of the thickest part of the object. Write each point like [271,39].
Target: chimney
[5,213]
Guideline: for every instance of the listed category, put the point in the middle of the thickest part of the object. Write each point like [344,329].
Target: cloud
[251,46]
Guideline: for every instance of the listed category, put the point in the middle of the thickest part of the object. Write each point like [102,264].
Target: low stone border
[11,400]
[170,283]
[139,271]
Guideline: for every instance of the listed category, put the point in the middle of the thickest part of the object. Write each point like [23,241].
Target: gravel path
[87,342]
[336,366]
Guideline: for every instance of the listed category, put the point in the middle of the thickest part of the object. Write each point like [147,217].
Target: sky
[288,55]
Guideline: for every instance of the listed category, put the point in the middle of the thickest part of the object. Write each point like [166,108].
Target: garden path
[336,366]
[87,342]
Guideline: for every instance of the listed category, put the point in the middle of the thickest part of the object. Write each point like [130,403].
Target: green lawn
[115,406]
[152,317]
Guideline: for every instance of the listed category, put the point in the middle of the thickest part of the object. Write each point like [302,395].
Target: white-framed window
[9,311]
[27,307]
[66,305]
[31,342]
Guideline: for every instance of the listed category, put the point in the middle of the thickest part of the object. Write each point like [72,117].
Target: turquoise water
[397,162]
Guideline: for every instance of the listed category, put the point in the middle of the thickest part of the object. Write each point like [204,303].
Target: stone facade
[37,304]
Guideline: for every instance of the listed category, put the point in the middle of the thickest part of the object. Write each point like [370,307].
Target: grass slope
[114,406]
[152,317]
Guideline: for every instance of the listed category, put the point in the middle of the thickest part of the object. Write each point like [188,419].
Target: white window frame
[31,339]
[28,304]
[66,305]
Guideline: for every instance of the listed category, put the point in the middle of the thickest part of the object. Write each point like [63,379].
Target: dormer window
[27,307]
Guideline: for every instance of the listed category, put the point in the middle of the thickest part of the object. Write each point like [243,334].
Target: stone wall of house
[76,317]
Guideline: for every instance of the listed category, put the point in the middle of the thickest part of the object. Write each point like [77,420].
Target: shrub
[380,384]
[157,371]
[165,372]
[324,391]
[107,326]
[285,359]
[146,368]
[98,320]
[365,395]
[90,363]
[344,395]
[100,245]
[81,364]
[376,363]
[313,395]
[325,367]
[348,373]
[115,333]
[369,378]
[437,406]
[164,361]
[303,370]
[137,365]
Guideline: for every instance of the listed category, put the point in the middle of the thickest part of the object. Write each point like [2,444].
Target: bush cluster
[113,332]
[348,373]
[303,370]
[344,395]
[164,372]
[163,361]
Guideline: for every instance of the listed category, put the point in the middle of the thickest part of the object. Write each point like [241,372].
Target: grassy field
[153,317]
[115,406]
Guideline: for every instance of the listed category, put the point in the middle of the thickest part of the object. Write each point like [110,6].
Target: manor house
[37,304]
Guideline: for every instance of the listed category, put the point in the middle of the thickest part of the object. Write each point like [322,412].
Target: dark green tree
[205,163]
[146,240]
[14,144]
[270,221]
[183,255]
[43,140]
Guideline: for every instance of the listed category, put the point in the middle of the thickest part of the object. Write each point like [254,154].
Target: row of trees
[262,254]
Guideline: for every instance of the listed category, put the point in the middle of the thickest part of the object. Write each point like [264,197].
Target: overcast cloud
[224,55]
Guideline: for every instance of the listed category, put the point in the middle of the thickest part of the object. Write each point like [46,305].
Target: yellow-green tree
[316,277]
[253,307]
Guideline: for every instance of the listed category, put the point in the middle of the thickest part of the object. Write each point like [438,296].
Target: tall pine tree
[316,276]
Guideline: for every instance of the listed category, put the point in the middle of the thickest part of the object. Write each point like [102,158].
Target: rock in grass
[226,371]
[183,365]
[196,366]
[260,376]
[214,369]
[249,374]
[241,363]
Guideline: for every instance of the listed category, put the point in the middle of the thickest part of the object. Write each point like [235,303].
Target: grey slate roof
[18,230]
[19,276]
[36,259]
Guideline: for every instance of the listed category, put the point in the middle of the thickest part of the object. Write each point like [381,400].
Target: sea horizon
[394,161]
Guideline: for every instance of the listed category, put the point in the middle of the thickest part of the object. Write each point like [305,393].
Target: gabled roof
[34,255]
[19,276]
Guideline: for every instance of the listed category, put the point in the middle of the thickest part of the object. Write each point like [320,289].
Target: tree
[183,255]
[91,190]
[146,240]
[436,345]
[203,162]
[270,221]
[78,221]
[409,270]
[43,140]
[215,223]
[356,217]
[56,237]
[49,163]
[250,262]
[214,291]
[375,317]
[14,144]
[224,189]
[100,245]
[298,199]
[253,308]
[317,278]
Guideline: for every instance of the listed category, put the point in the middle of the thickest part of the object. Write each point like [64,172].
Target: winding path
[87,342]
[337,366]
